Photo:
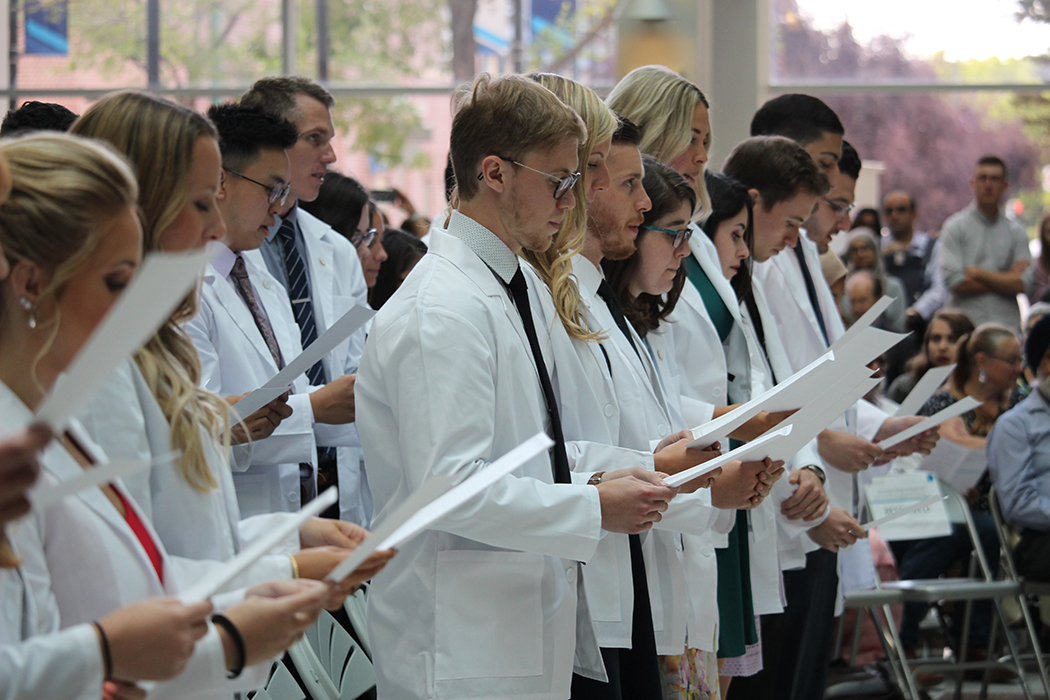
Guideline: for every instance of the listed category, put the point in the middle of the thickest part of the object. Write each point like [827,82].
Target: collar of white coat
[485,244]
[223,260]
[705,253]
[588,275]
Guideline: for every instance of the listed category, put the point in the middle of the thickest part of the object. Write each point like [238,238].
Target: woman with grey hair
[863,254]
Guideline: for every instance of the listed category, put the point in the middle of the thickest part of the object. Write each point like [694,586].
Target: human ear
[492,173]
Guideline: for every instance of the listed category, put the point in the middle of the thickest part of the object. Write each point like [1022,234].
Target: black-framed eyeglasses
[837,208]
[562,184]
[679,236]
[277,192]
[363,238]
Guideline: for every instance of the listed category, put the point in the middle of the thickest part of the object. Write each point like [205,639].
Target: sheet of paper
[336,333]
[429,504]
[896,492]
[867,346]
[955,464]
[924,389]
[958,408]
[160,285]
[211,584]
[720,427]
[749,450]
[811,420]
[863,322]
[857,567]
[42,495]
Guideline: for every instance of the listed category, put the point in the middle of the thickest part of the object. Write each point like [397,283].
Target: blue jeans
[931,558]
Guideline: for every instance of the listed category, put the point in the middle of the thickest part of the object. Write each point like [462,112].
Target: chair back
[959,513]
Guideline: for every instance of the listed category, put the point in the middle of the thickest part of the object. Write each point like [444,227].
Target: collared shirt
[919,270]
[223,264]
[485,244]
[1019,463]
[273,253]
[971,238]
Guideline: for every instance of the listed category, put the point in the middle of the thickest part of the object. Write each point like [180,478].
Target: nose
[682,250]
[328,157]
[791,237]
[742,250]
[217,230]
[701,155]
[644,204]
[599,181]
[567,201]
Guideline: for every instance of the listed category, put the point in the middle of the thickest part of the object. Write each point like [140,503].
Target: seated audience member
[863,289]
[834,274]
[1037,277]
[939,349]
[1019,462]
[37,116]
[867,218]
[403,251]
[989,360]
[863,254]
[1026,381]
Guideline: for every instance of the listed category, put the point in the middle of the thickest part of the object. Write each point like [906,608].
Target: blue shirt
[1019,463]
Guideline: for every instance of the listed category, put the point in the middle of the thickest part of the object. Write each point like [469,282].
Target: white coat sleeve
[64,665]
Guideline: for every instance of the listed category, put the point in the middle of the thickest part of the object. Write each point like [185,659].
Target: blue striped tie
[299,293]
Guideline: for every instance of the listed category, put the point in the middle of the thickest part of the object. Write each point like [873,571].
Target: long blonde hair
[65,190]
[662,103]
[554,265]
[158,137]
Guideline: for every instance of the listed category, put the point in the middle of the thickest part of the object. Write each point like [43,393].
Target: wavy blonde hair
[662,103]
[158,137]
[554,265]
[64,192]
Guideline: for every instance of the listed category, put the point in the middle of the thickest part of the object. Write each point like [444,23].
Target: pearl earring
[28,306]
[982,377]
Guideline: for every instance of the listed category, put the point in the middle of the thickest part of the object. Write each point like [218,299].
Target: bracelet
[295,566]
[238,642]
[595,479]
[107,656]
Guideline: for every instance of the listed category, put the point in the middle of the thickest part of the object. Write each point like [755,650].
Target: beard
[614,239]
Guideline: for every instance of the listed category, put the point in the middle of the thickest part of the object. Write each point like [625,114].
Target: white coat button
[662,430]
[266,284]
[745,320]
[608,410]
[321,260]
[717,391]
[706,551]
[660,354]
[293,496]
[570,575]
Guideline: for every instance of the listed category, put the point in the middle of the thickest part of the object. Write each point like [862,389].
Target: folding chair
[872,601]
[979,586]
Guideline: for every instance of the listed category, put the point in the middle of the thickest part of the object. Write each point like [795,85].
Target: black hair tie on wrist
[107,656]
[238,642]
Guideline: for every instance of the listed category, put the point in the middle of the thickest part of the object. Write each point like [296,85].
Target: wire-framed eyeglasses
[277,192]
[562,184]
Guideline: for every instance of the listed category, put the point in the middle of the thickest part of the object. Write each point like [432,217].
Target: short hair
[506,116]
[37,116]
[728,198]
[276,95]
[245,131]
[993,160]
[668,191]
[849,163]
[339,203]
[876,281]
[628,132]
[777,167]
[802,118]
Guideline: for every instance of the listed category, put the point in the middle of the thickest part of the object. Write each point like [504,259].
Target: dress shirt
[1019,463]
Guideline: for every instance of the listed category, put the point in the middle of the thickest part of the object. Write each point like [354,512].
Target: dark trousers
[931,558]
[796,644]
[634,674]
[1032,556]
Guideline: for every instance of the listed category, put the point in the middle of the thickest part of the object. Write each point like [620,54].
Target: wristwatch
[818,471]
[595,479]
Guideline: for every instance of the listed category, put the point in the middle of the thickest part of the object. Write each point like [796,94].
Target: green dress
[736,615]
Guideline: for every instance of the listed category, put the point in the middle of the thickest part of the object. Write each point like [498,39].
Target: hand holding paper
[958,408]
[751,450]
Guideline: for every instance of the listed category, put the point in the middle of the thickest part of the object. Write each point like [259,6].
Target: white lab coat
[337,284]
[598,406]
[235,360]
[126,421]
[37,661]
[485,604]
[82,555]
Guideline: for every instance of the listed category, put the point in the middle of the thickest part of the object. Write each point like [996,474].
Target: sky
[976,29]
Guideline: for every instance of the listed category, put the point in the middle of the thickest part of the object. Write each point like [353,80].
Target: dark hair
[403,250]
[340,203]
[802,118]
[245,131]
[37,116]
[450,179]
[668,191]
[985,338]
[849,163]
[276,95]
[777,167]
[627,132]
[993,160]
[728,199]
[1037,343]
[960,324]
[867,211]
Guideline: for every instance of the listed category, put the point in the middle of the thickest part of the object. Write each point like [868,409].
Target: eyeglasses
[562,184]
[837,208]
[1014,361]
[679,237]
[363,239]
[277,191]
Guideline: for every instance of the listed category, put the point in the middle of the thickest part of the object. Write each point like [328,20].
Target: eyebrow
[831,155]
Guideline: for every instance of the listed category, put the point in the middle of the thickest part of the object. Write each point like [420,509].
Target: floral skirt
[690,676]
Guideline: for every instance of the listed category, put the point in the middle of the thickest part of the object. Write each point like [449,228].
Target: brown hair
[985,338]
[276,95]
[777,167]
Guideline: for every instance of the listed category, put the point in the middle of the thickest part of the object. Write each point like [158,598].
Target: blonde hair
[554,265]
[64,192]
[159,137]
[662,103]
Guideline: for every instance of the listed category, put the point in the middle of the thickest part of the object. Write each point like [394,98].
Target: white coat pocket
[489,615]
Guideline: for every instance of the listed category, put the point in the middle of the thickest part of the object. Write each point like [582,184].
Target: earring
[982,377]
[28,306]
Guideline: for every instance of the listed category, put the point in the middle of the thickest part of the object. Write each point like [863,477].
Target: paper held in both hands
[279,383]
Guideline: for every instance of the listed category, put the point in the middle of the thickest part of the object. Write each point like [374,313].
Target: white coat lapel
[321,258]
[704,252]
[233,306]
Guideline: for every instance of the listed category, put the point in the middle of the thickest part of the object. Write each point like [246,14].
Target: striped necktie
[299,294]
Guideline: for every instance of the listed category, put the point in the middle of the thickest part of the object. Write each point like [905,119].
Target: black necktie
[519,290]
[607,295]
[812,292]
